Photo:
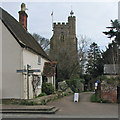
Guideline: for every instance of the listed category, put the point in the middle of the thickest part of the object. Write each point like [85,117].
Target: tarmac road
[84,107]
[69,109]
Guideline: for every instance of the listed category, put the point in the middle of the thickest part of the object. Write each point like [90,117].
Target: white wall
[0,63]
[14,57]
[12,82]
[32,59]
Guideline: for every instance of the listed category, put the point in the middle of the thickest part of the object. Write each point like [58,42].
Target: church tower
[64,37]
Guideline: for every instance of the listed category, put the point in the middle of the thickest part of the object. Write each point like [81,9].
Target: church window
[62,37]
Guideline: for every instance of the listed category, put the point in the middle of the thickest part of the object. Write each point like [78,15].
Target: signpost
[28,71]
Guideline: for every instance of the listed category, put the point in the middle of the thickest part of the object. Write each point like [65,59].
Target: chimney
[23,16]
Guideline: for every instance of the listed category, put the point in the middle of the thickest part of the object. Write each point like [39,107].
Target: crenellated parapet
[63,24]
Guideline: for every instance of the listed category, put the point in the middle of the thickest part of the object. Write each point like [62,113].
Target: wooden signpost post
[28,71]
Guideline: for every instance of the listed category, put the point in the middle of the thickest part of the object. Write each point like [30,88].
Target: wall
[12,82]
[32,59]
[109,92]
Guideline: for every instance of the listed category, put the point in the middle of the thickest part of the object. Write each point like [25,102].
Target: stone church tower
[64,37]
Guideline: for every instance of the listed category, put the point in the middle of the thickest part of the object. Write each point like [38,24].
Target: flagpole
[52,18]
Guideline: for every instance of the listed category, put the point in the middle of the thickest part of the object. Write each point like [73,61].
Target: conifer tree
[94,66]
[114,31]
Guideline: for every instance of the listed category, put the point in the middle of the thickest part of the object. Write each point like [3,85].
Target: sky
[92,18]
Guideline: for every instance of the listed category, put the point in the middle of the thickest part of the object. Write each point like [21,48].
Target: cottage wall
[32,59]
[0,60]
[14,57]
[12,82]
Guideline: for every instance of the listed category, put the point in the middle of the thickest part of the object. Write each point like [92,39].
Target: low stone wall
[109,92]
[45,99]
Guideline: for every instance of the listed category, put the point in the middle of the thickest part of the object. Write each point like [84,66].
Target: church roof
[24,38]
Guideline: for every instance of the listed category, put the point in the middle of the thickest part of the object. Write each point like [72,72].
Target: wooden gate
[118,94]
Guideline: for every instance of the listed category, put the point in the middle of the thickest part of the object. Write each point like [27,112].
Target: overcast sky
[92,18]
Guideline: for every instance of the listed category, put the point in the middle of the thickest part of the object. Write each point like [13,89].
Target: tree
[114,31]
[111,55]
[44,42]
[82,53]
[94,66]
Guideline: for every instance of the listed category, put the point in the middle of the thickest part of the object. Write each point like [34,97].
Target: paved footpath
[69,109]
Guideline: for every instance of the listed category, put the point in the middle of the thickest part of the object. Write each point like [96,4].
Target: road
[69,109]
[84,107]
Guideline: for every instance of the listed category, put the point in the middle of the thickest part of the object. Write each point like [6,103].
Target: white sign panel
[76,97]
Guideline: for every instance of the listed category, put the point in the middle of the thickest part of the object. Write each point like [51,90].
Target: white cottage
[19,48]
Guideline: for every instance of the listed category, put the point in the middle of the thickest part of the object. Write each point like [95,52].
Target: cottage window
[39,82]
[39,60]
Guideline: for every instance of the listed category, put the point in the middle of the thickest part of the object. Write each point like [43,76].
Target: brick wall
[109,92]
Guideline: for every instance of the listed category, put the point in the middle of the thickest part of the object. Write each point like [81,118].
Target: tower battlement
[60,24]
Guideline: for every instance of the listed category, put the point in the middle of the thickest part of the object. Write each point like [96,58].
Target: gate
[118,94]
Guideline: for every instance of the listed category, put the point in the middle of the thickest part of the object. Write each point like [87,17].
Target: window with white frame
[39,81]
[39,59]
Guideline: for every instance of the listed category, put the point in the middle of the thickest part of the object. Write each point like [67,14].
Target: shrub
[47,88]
[106,101]
[75,84]
[92,99]
[41,94]
[95,99]
[98,99]
[111,80]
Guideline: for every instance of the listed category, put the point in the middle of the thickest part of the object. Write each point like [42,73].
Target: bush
[95,99]
[47,88]
[98,99]
[111,80]
[41,94]
[75,84]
